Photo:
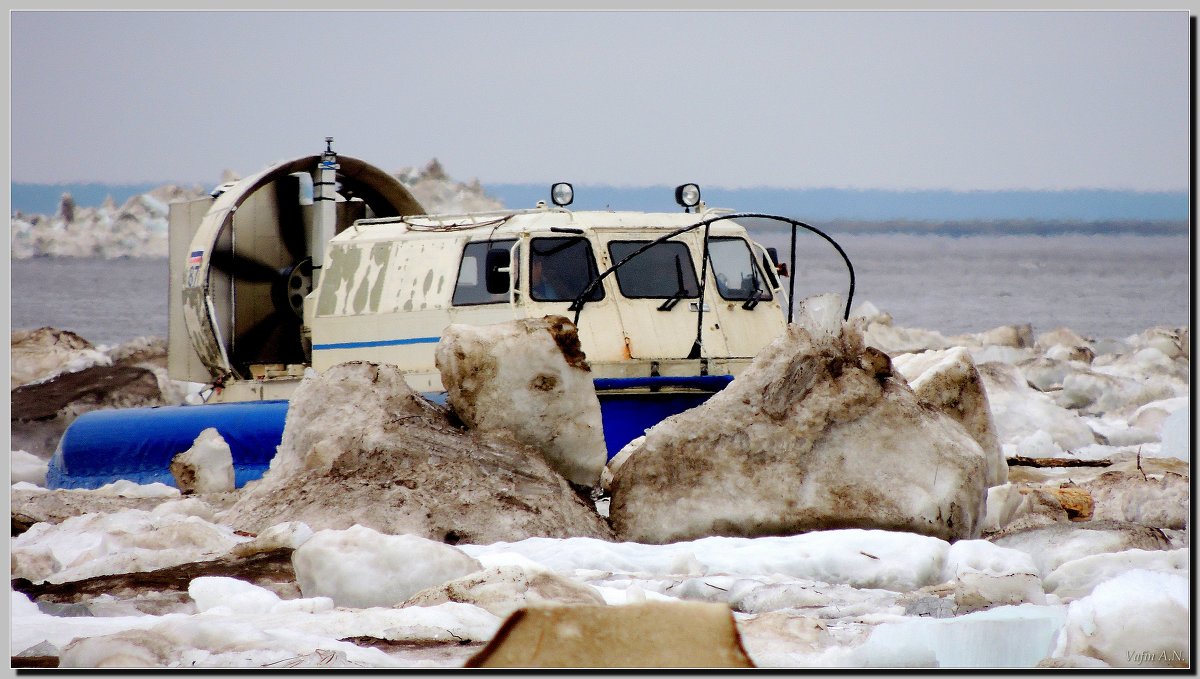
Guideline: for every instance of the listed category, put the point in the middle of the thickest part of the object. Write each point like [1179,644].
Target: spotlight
[687,195]
[562,194]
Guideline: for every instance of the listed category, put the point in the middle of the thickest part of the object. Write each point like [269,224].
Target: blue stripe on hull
[377,343]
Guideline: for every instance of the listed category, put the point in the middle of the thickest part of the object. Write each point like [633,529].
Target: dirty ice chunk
[815,434]
[530,378]
[950,381]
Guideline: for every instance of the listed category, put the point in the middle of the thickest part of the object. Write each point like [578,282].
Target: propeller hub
[294,285]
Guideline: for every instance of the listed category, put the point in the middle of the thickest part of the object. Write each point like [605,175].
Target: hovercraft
[325,259]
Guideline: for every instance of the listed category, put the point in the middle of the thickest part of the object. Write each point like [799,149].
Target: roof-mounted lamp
[687,195]
[562,194]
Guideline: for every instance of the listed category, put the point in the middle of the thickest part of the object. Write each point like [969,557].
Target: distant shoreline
[1100,210]
[827,205]
[998,227]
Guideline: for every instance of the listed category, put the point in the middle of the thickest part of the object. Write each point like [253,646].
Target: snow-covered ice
[206,467]
[1037,590]
[1176,438]
[1135,619]
[359,567]
[127,541]
[1077,578]
[27,468]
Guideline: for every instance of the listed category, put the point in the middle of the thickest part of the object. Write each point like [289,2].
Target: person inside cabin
[561,268]
[545,281]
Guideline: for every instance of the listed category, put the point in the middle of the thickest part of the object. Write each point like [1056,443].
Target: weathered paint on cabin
[402,274]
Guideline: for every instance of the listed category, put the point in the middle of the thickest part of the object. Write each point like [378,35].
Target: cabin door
[556,270]
[744,295]
[659,296]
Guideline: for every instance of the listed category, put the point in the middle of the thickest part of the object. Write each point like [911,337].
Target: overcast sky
[908,100]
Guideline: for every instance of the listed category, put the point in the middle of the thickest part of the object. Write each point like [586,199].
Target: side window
[663,271]
[560,269]
[768,265]
[733,267]
[472,286]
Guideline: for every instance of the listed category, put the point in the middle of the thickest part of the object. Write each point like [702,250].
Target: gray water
[1099,286]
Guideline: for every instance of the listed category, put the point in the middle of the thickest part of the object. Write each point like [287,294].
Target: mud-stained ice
[949,381]
[206,467]
[528,378]
[815,434]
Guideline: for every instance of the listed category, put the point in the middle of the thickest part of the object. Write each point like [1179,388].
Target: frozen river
[1100,286]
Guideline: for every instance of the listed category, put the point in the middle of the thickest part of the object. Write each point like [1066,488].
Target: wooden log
[261,569]
[1022,461]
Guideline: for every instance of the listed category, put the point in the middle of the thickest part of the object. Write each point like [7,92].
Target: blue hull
[138,444]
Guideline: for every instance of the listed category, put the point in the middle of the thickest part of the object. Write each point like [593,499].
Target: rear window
[664,270]
[560,269]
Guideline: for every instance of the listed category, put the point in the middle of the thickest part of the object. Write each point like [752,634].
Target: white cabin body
[391,286]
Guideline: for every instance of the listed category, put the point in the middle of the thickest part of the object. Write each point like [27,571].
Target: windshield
[733,267]
[560,269]
[664,270]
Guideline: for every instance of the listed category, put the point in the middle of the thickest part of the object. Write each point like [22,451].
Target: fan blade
[242,268]
[274,339]
[292,231]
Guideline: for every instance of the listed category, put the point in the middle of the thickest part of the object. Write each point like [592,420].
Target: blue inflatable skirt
[138,444]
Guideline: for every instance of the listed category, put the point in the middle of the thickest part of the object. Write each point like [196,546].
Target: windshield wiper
[672,301]
[679,294]
[753,300]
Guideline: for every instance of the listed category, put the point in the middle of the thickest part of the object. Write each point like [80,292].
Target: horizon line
[602,184]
